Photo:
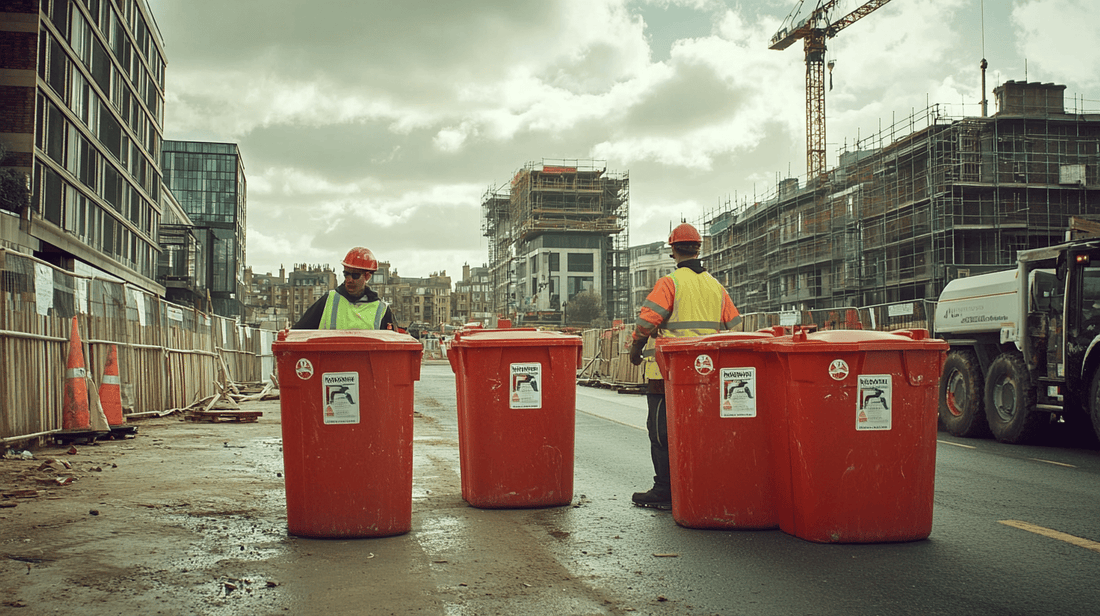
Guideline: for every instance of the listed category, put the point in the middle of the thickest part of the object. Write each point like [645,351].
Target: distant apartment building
[648,263]
[423,301]
[208,180]
[471,299]
[266,299]
[305,285]
[81,115]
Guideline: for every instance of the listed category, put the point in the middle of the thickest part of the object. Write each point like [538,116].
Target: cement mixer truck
[1023,345]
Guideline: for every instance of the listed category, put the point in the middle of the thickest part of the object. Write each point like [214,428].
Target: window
[553,259]
[59,64]
[55,135]
[101,66]
[52,196]
[110,133]
[579,261]
[578,284]
[60,16]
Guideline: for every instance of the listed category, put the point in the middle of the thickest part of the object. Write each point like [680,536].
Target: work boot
[655,498]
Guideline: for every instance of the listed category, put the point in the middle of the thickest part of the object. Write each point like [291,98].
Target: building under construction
[907,210]
[557,229]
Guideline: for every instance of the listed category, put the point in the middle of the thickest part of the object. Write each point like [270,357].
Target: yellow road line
[957,444]
[1053,534]
[1053,462]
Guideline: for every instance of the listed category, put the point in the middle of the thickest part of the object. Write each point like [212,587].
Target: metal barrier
[169,356]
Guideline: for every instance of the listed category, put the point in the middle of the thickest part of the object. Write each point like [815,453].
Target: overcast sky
[382,123]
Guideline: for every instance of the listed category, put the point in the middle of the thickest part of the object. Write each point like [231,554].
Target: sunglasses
[356,275]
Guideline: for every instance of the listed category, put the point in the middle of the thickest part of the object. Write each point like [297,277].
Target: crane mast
[814,30]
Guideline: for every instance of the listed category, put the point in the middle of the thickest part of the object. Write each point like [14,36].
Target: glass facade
[208,180]
[99,104]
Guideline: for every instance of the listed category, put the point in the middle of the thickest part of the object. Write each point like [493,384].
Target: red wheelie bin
[346,399]
[517,395]
[859,461]
[723,414]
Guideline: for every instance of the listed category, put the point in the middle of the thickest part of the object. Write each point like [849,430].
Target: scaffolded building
[907,210]
[557,229]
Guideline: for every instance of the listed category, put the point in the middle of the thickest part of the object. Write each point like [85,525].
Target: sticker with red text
[738,392]
[525,389]
[341,404]
[874,407]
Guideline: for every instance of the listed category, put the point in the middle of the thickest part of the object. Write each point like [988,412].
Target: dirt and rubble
[189,517]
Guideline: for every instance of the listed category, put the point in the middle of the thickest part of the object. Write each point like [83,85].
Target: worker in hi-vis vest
[687,302]
[352,305]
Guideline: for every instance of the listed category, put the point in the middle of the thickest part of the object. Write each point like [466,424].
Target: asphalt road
[1016,530]
[190,518]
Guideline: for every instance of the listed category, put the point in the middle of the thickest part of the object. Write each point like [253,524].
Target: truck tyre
[961,393]
[1010,401]
[1094,403]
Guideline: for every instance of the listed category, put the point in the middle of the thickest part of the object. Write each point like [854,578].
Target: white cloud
[1059,39]
[383,123]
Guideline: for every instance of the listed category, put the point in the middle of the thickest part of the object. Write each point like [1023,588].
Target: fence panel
[168,356]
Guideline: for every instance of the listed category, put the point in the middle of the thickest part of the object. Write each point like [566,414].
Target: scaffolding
[495,226]
[578,202]
[924,201]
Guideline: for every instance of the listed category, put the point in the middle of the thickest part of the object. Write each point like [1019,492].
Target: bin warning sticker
[304,369]
[704,365]
[875,403]
[838,370]
[738,392]
[525,391]
[341,401]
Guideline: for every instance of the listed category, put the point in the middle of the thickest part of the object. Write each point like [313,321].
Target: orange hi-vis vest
[684,303]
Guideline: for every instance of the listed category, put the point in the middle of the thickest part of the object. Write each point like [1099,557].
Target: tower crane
[820,25]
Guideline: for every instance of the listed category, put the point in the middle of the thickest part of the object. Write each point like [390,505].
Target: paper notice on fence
[174,313]
[43,288]
[139,301]
[80,295]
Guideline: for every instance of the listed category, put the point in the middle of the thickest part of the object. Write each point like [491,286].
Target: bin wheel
[961,409]
[1010,401]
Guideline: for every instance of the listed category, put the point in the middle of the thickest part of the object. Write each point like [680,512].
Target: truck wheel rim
[1005,400]
[956,394]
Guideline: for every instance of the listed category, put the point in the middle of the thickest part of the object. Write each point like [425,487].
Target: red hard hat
[360,258]
[685,233]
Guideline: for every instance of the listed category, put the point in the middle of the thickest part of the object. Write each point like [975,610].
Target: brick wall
[18,50]
[19,6]
[16,109]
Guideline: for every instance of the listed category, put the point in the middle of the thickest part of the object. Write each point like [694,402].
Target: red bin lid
[344,340]
[860,340]
[515,337]
[710,342]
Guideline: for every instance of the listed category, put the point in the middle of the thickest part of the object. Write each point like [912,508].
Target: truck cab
[1023,345]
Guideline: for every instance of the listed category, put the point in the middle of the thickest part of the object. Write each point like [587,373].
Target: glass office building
[208,181]
[81,114]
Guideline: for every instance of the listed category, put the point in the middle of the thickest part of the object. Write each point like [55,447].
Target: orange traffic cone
[75,414]
[110,392]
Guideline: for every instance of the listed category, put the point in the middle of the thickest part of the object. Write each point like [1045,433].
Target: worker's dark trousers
[657,425]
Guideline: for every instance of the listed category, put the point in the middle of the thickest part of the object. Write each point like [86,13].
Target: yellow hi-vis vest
[342,314]
[696,311]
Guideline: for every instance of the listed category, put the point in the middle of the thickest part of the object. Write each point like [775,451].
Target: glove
[636,352]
